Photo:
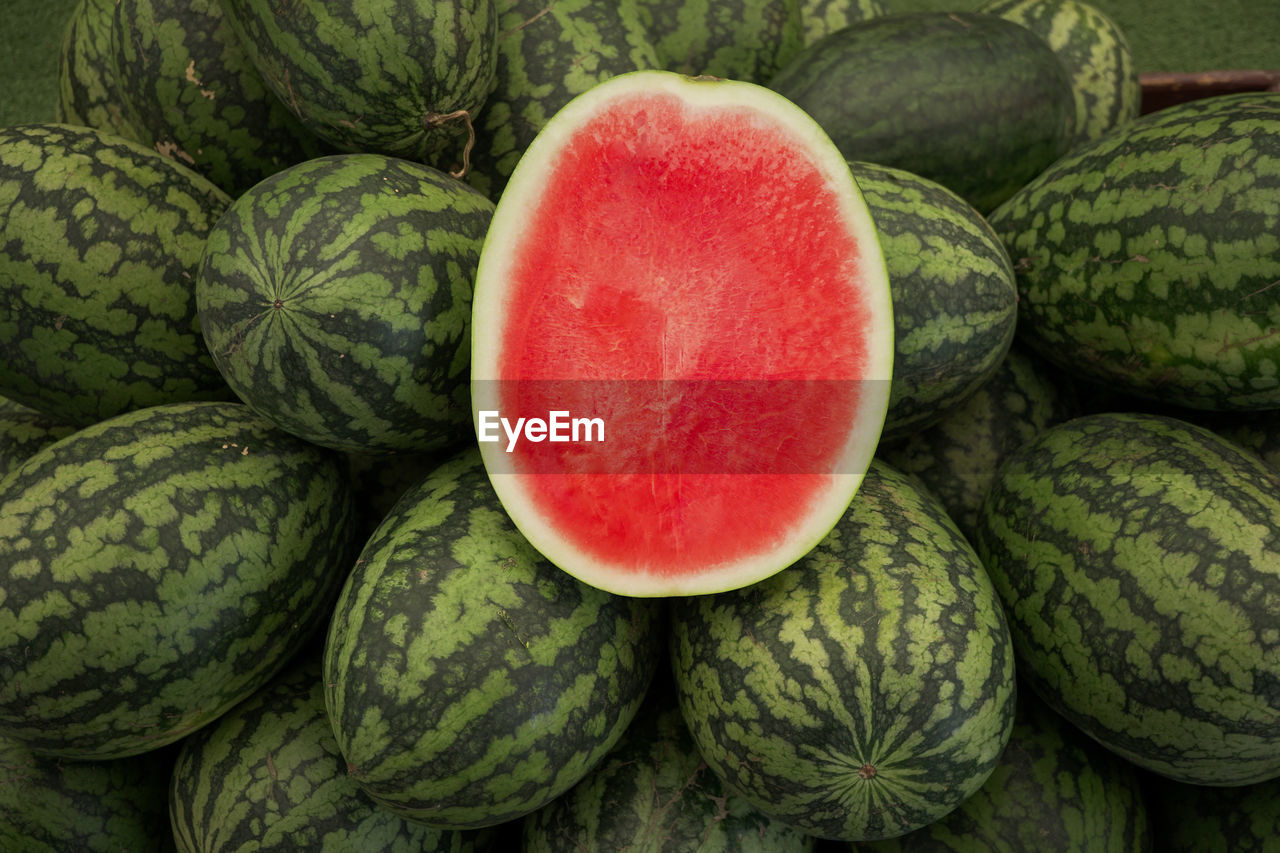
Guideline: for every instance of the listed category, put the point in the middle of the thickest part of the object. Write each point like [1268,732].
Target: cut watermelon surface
[682,336]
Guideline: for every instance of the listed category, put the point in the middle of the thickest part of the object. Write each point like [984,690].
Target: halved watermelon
[682,294]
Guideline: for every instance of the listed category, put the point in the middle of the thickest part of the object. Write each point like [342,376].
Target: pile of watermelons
[257,590]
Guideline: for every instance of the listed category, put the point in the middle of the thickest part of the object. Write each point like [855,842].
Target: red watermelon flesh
[683,284]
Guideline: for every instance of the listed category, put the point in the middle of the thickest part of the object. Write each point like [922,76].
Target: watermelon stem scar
[690,261]
[433,120]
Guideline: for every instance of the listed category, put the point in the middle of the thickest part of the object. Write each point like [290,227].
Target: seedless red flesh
[689,262]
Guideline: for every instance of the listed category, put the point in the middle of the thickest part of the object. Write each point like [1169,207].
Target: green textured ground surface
[29,44]
[1184,35]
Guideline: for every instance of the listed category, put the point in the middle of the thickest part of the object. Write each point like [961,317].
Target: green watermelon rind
[335,299]
[1146,258]
[865,691]
[1138,561]
[98,255]
[159,567]
[469,681]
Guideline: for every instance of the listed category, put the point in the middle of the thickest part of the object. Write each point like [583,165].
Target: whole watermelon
[100,239]
[1138,559]
[863,692]
[335,298]
[955,302]
[469,681]
[52,806]
[1095,52]
[157,568]
[404,78]
[1146,259]
[973,101]
[267,776]
[187,80]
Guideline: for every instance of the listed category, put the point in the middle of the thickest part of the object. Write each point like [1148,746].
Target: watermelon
[184,76]
[53,806]
[1138,559]
[975,102]
[157,568]
[730,432]
[747,40]
[1205,819]
[547,54]
[403,78]
[1095,53]
[1054,789]
[822,17]
[24,431]
[268,776]
[99,242]
[335,298]
[1146,258]
[88,93]
[654,792]
[865,691]
[954,296]
[469,682]
[956,459]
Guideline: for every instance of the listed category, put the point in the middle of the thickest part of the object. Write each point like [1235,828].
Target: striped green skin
[955,301]
[23,431]
[87,92]
[99,243]
[52,806]
[267,776]
[1145,258]
[1139,561]
[386,76]
[470,681]
[157,568]
[822,17]
[1054,789]
[956,458]
[1201,819]
[1095,52]
[185,77]
[547,54]
[863,692]
[654,793]
[746,40]
[335,297]
[977,103]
